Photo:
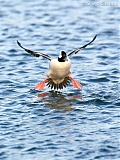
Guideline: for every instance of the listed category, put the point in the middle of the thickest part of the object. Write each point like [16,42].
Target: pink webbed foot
[40,86]
[75,83]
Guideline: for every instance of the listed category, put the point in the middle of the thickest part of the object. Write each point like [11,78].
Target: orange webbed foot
[75,83]
[40,86]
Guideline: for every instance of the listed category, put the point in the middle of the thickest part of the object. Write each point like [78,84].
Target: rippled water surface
[59,125]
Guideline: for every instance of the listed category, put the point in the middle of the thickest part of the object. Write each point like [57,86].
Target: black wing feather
[36,54]
[77,50]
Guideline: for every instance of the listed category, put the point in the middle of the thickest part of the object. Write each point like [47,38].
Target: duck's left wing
[36,54]
[77,50]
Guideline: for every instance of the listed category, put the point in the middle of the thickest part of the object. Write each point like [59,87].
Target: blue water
[69,124]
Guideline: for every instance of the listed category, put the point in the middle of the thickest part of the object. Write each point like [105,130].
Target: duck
[58,75]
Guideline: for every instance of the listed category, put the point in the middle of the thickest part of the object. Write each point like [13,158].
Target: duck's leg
[75,83]
[41,85]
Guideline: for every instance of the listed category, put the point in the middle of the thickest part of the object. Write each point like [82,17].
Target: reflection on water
[59,100]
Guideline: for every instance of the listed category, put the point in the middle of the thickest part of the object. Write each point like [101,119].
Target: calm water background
[70,124]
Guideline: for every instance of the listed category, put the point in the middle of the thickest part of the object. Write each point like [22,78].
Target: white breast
[59,70]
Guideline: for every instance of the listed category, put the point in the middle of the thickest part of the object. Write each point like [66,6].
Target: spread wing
[36,54]
[77,50]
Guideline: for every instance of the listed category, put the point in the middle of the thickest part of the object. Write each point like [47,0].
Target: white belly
[59,70]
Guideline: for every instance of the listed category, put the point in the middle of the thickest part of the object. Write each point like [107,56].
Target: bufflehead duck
[58,75]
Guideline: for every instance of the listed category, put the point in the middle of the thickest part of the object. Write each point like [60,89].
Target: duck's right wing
[77,50]
[36,54]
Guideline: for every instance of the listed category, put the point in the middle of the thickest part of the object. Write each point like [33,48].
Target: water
[70,124]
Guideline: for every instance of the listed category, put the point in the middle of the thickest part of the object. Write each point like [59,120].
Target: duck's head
[62,57]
